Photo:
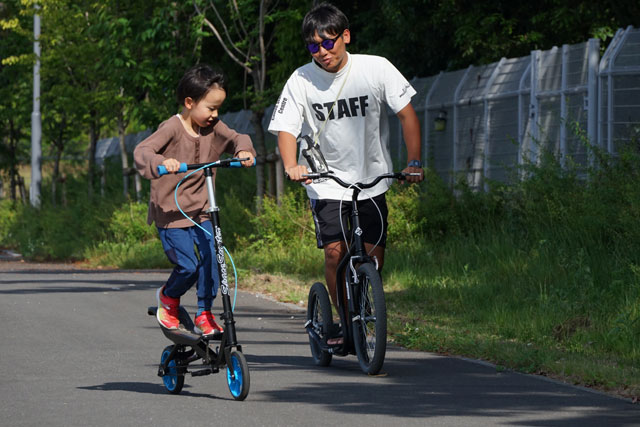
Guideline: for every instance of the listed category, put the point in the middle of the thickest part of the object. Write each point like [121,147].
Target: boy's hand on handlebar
[244,154]
[172,165]
[412,178]
[294,173]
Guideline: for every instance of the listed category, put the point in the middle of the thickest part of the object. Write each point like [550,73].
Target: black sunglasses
[327,44]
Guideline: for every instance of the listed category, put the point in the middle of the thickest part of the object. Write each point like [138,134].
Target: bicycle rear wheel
[370,320]
[173,378]
[320,318]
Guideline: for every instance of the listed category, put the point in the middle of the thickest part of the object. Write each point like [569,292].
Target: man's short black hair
[197,81]
[326,20]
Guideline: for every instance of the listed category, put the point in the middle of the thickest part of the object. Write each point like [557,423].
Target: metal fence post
[563,106]
[593,47]
[533,110]
[456,96]
[427,100]
[487,123]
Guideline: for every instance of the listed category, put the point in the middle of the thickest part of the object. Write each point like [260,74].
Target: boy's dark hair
[326,19]
[197,81]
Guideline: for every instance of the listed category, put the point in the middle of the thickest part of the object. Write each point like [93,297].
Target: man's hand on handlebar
[294,173]
[413,178]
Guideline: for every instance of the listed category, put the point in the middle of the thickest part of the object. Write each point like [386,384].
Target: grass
[497,309]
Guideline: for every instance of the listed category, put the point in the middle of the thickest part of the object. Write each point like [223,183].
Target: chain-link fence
[481,122]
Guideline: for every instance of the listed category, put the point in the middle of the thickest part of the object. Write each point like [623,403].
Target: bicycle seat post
[208,174]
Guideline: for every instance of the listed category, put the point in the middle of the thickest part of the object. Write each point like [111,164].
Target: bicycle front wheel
[320,321]
[370,320]
[238,375]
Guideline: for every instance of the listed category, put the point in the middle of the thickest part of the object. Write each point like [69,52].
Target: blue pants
[178,244]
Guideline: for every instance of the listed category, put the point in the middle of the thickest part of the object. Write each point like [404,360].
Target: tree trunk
[279,177]
[56,175]
[23,190]
[123,156]
[138,185]
[12,143]
[261,150]
[271,167]
[13,183]
[93,143]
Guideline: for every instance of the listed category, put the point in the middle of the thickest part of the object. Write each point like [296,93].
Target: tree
[248,31]
[15,88]
[73,85]
[142,60]
[453,34]
[64,96]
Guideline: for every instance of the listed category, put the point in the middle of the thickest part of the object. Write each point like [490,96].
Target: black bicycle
[363,321]
[189,344]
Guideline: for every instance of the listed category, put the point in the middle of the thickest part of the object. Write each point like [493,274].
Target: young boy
[195,135]
[338,99]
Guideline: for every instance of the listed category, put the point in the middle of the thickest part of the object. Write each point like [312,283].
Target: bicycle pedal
[201,372]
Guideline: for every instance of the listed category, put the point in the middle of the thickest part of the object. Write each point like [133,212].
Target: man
[338,100]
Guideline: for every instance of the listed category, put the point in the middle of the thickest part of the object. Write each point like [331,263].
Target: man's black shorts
[327,222]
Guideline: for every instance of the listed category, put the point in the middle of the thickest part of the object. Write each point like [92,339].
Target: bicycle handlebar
[392,175]
[223,163]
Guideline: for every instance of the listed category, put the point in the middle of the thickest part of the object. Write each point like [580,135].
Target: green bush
[128,224]
[8,220]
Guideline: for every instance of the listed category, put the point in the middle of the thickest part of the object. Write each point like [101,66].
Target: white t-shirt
[354,141]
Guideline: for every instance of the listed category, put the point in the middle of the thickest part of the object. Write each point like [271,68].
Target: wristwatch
[415,164]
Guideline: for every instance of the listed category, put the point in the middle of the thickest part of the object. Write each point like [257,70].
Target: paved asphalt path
[78,349]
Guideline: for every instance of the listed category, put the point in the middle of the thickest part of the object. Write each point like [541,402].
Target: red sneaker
[206,322]
[167,310]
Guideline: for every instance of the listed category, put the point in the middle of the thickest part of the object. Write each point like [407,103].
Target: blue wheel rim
[171,379]
[234,377]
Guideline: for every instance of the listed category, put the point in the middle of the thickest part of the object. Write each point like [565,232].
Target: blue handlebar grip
[239,165]
[162,170]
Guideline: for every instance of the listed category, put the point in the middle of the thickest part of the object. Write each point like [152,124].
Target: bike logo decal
[224,287]
[358,231]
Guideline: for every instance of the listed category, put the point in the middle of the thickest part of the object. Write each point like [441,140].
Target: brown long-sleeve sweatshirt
[172,140]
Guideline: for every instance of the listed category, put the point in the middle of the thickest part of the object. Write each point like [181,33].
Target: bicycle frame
[227,315]
[356,254]
[229,352]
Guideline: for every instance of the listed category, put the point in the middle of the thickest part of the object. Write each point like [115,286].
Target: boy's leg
[178,246]
[207,284]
